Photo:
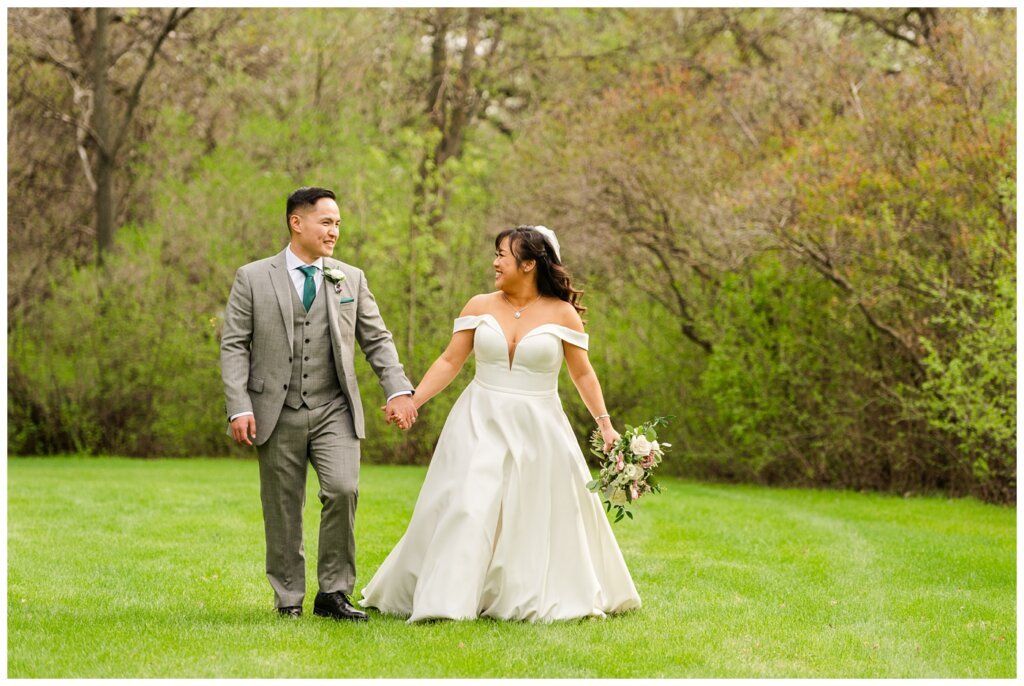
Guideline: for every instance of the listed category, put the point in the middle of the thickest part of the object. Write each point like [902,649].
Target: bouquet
[626,468]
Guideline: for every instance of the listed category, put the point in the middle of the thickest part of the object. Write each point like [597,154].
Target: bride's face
[506,272]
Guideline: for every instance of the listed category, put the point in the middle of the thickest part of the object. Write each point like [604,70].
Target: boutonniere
[335,276]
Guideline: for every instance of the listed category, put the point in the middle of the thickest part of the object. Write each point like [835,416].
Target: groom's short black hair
[307,195]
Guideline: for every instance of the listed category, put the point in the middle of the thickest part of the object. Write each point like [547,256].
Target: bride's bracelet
[601,416]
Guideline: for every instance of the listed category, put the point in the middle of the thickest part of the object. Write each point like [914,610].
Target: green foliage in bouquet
[626,469]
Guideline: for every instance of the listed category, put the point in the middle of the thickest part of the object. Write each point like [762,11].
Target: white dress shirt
[299,280]
[298,277]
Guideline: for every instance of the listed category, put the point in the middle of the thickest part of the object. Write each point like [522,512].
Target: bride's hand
[610,436]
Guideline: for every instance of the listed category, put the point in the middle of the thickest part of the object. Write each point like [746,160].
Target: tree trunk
[422,205]
[451,110]
[104,199]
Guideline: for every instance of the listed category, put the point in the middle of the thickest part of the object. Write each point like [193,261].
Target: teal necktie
[309,288]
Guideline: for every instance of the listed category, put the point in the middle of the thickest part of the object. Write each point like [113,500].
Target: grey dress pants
[324,436]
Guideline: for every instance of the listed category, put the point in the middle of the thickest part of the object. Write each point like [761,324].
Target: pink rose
[620,463]
[648,461]
[633,495]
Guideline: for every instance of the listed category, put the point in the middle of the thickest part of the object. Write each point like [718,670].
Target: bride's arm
[585,379]
[448,365]
[589,387]
[445,368]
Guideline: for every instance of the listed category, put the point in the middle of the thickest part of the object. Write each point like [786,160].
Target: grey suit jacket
[257,341]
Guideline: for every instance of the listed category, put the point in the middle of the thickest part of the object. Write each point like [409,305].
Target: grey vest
[314,379]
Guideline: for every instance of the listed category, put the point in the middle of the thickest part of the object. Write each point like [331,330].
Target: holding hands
[401,410]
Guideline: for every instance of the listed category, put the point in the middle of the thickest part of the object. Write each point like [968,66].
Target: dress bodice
[535,361]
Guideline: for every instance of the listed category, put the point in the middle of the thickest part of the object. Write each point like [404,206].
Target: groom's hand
[244,428]
[402,410]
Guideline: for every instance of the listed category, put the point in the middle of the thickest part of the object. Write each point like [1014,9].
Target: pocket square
[345,301]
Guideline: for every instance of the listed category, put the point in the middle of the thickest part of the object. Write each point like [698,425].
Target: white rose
[640,446]
[655,447]
[631,471]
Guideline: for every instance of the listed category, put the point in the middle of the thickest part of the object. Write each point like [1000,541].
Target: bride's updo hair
[553,279]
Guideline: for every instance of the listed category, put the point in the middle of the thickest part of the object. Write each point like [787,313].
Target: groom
[287,361]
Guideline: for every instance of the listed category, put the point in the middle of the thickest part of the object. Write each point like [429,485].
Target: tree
[106,96]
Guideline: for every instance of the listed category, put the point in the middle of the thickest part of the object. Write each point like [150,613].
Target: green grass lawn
[131,568]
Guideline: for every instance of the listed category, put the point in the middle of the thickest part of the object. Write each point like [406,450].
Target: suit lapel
[282,282]
[327,291]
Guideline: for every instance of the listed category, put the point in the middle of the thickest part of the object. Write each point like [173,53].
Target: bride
[504,525]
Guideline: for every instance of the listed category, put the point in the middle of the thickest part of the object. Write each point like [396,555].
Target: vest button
[305,359]
[307,323]
[305,376]
[307,340]
[286,387]
[289,359]
[303,393]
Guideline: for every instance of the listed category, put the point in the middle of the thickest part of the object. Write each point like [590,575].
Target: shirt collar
[294,262]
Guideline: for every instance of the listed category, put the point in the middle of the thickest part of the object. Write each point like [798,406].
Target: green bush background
[796,232]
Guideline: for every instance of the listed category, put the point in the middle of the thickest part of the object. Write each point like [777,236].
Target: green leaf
[629,514]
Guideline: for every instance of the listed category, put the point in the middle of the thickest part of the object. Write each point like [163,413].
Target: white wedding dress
[504,525]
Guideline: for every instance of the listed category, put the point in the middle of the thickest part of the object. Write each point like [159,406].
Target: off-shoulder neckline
[495,321]
[511,353]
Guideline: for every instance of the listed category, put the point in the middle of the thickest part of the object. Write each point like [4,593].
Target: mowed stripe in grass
[132,568]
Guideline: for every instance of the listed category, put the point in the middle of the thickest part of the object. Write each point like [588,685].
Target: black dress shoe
[294,611]
[336,606]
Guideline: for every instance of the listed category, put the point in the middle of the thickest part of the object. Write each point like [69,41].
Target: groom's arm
[378,345]
[235,342]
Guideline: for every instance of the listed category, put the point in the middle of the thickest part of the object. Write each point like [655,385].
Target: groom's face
[315,229]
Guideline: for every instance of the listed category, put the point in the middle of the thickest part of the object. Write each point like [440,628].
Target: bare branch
[668,229]
[743,125]
[891,29]
[686,318]
[128,47]
[84,101]
[855,90]
[824,266]
[744,39]
[52,59]
[686,323]
[173,19]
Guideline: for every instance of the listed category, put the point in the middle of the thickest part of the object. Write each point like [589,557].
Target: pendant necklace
[516,312]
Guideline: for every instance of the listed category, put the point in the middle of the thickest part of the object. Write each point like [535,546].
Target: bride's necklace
[516,312]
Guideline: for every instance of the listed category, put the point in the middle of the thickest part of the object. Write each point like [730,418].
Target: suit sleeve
[235,343]
[377,343]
